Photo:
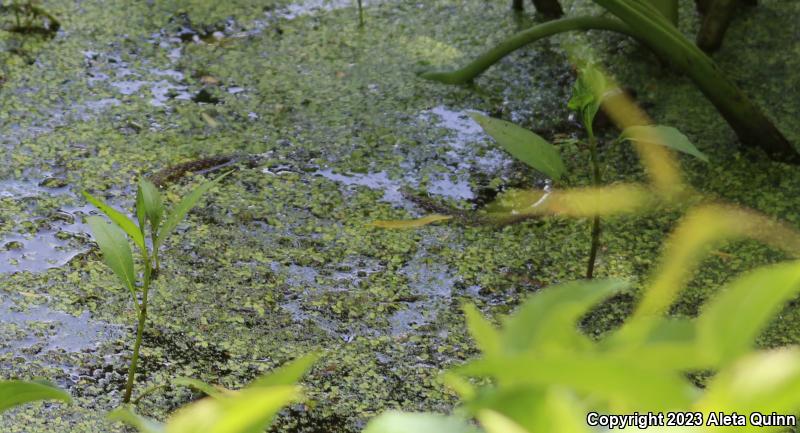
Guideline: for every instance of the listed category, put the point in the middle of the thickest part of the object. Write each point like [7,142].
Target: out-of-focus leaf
[623,381]
[484,334]
[120,219]
[548,319]
[248,411]
[664,136]
[205,388]
[410,224]
[17,392]
[587,94]
[289,373]
[116,251]
[182,208]
[730,324]
[398,422]
[495,422]
[523,404]
[523,145]
[574,202]
[670,343]
[143,424]
[763,382]
[148,201]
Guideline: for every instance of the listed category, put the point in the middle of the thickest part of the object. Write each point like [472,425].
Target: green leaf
[664,136]
[484,334]
[116,251]
[128,416]
[17,392]
[730,324]
[523,145]
[247,411]
[410,224]
[199,385]
[119,219]
[287,374]
[766,382]
[149,204]
[587,95]
[182,208]
[399,422]
[548,319]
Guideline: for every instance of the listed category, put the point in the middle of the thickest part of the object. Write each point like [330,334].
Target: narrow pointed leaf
[248,411]
[119,219]
[524,145]
[182,208]
[287,374]
[199,385]
[730,324]
[410,224]
[587,95]
[484,334]
[17,392]
[149,198]
[664,136]
[115,249]
[128,416]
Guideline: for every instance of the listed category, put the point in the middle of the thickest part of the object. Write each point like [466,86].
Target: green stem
[139,331]
[525,37]
[750,124]
[596,219]
[715,24]
[360,14]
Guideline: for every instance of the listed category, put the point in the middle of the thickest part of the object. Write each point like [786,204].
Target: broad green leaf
[548,319]
[762,381]
[399,422]
[625,381]
[523,145]
[410,224]
[119,219]
[288,374]
[148,203]
[587,95]
[128,416]
[116,251]
[671,343]
[664,136]
[484,334]
[17,392]
[248,411]
[199,385]
[495,422]
[730,324]
[524,404]
[182,208]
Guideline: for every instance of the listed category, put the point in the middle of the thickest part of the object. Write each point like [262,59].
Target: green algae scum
[319,116]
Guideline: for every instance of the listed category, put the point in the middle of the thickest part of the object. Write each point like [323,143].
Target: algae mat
[279,260]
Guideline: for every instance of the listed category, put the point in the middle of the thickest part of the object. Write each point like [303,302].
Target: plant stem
[525,37]
[596,219]
[139,331]
[715,24]
[750,123]
[549,8]
[360,14]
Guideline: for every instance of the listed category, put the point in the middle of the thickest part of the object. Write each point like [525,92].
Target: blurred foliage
[17,392]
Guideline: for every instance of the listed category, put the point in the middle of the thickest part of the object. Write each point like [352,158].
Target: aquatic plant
[25,14]
[17,392]
[647,24]
[153,221]
[540,373]
[248,410]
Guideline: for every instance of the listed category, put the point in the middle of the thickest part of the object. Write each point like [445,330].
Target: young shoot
[153,224]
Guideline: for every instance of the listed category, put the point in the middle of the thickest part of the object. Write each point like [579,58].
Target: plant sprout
[153,223]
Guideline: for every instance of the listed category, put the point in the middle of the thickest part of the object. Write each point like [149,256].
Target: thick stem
[549,8]
[751,125]
[525,37]
[668,8]
[702,5]
[715,24]
[360,14]
[517,5]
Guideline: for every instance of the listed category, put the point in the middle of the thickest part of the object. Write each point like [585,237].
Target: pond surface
[280,260]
